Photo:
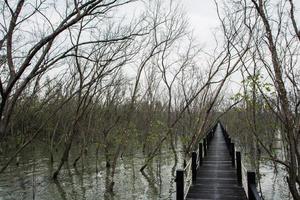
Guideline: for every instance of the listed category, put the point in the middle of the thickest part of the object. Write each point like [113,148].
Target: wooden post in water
[239,167]
[232,154]
[250,181]
[179,184]
[200,154]
[194,166]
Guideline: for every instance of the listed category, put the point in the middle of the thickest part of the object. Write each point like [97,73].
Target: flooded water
[273,184]
[271,180]
[31,179]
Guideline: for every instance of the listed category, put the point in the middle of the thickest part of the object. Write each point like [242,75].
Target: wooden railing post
[179,184]
[207,142]
[194,166]
[250,180]
[204,146]
[228,143]
[239,167]
[200,154]
[232,150]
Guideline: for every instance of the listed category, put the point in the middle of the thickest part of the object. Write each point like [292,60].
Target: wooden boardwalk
[216,177]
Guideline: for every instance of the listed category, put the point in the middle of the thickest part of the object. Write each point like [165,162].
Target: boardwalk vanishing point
[216,177]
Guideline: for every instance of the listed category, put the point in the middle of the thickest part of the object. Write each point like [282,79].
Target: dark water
[31,179]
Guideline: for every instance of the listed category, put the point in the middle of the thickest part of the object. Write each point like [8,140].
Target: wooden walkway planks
[216,178]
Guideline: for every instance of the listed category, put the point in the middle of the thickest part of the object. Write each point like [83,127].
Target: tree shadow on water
[109,193]
[172,181]
[149,177]
[61,191]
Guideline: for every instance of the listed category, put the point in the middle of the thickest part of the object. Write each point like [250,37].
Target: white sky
[202,18]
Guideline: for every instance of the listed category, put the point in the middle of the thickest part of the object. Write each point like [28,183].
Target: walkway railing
[245,177]
[187,176]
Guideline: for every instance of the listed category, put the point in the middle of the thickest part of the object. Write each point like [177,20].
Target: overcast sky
[202,18]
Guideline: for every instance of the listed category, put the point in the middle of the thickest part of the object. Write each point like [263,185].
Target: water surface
[31,179]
